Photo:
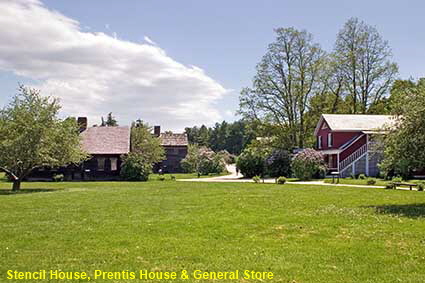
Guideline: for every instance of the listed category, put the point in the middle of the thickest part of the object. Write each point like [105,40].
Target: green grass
[363,182]
[300,233]
[155,177]
[379,182]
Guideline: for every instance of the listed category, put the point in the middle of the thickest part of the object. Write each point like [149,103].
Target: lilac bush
[307,164]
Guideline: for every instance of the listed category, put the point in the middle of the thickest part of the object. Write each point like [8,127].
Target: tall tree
[33,136]
[287,77]
[405,141]
[363,57]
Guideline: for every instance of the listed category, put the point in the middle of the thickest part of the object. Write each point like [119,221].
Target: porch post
[337,161]
[367,154]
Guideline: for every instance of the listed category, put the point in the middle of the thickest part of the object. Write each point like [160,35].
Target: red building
[347,142]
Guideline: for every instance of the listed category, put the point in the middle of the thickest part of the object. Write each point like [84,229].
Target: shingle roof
[168,139]
[356,122]
[106,140]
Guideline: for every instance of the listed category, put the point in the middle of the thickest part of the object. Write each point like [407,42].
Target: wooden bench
[399,184]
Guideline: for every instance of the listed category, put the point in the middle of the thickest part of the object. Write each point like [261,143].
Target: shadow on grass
[414,210]
[9,192]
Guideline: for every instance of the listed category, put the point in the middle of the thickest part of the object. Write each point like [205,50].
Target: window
[101,164]
[330,140]
[331,161]
[319,142]
[114,164]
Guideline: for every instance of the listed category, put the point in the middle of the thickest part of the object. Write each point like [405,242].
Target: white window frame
[330,141]
[319,142]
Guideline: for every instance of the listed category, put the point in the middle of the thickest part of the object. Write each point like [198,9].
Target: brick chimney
[82,123]
[157,131]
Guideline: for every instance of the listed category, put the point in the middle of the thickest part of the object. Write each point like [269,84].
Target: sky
[174,63]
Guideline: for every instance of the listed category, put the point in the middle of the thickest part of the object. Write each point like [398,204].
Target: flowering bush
[278,163]
[307,164]
[203,160]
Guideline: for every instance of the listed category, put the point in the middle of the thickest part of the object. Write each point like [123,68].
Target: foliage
[390,186]
[256,179]
[203,160]
[135,167]
[363,58]
[307,164]
[252,160]
[362,176]
[232,137]
[421,186]
[281,180]
[110,121]
[161,178]
[278,163]
[370,181]
[33,136]
[405,140]
[145,144]
[58,177]
[286,79]
[397,179]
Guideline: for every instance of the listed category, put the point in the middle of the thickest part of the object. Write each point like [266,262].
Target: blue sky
[223,38]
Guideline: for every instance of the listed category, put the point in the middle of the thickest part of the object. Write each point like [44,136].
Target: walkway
[234,178]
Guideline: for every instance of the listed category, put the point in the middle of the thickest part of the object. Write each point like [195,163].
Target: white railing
[352,157]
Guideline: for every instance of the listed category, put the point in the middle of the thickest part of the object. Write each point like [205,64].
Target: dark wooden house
[175,146]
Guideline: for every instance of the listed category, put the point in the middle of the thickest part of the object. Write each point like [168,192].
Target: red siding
[339,138]
[352,148]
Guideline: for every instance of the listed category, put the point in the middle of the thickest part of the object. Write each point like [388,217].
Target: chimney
[82,123]
[157,131]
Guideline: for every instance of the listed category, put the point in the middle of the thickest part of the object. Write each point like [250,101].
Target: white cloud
[94,73]
[148,40]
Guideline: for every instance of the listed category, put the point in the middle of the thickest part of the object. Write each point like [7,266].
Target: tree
[145,144]
[363,58]
[110,121]
[278,163]
[404,142]
[287,77]
[33,136]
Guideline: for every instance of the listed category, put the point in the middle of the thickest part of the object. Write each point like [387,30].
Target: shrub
[307,164]
[278,163]
[353,176]
[58,178]
[204,161]
[256,179]
[390,186]
[251,163]
[362,176]
[281,180]
[397,179]
[135,168]
[371,181]
[421,186]
[161,178]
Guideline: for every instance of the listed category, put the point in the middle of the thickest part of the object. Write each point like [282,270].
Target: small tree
[110,121]
[146,150]
[251,163]
[135,167]
[33,136]
[145,144]
[307,164]
[278,163]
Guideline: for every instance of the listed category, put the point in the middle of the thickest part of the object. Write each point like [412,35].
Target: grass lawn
[379,182]
[300,233]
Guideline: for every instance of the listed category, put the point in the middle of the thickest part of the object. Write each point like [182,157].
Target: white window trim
[330,141]
[319,142]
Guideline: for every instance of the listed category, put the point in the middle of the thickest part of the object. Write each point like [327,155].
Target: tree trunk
[16,185]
